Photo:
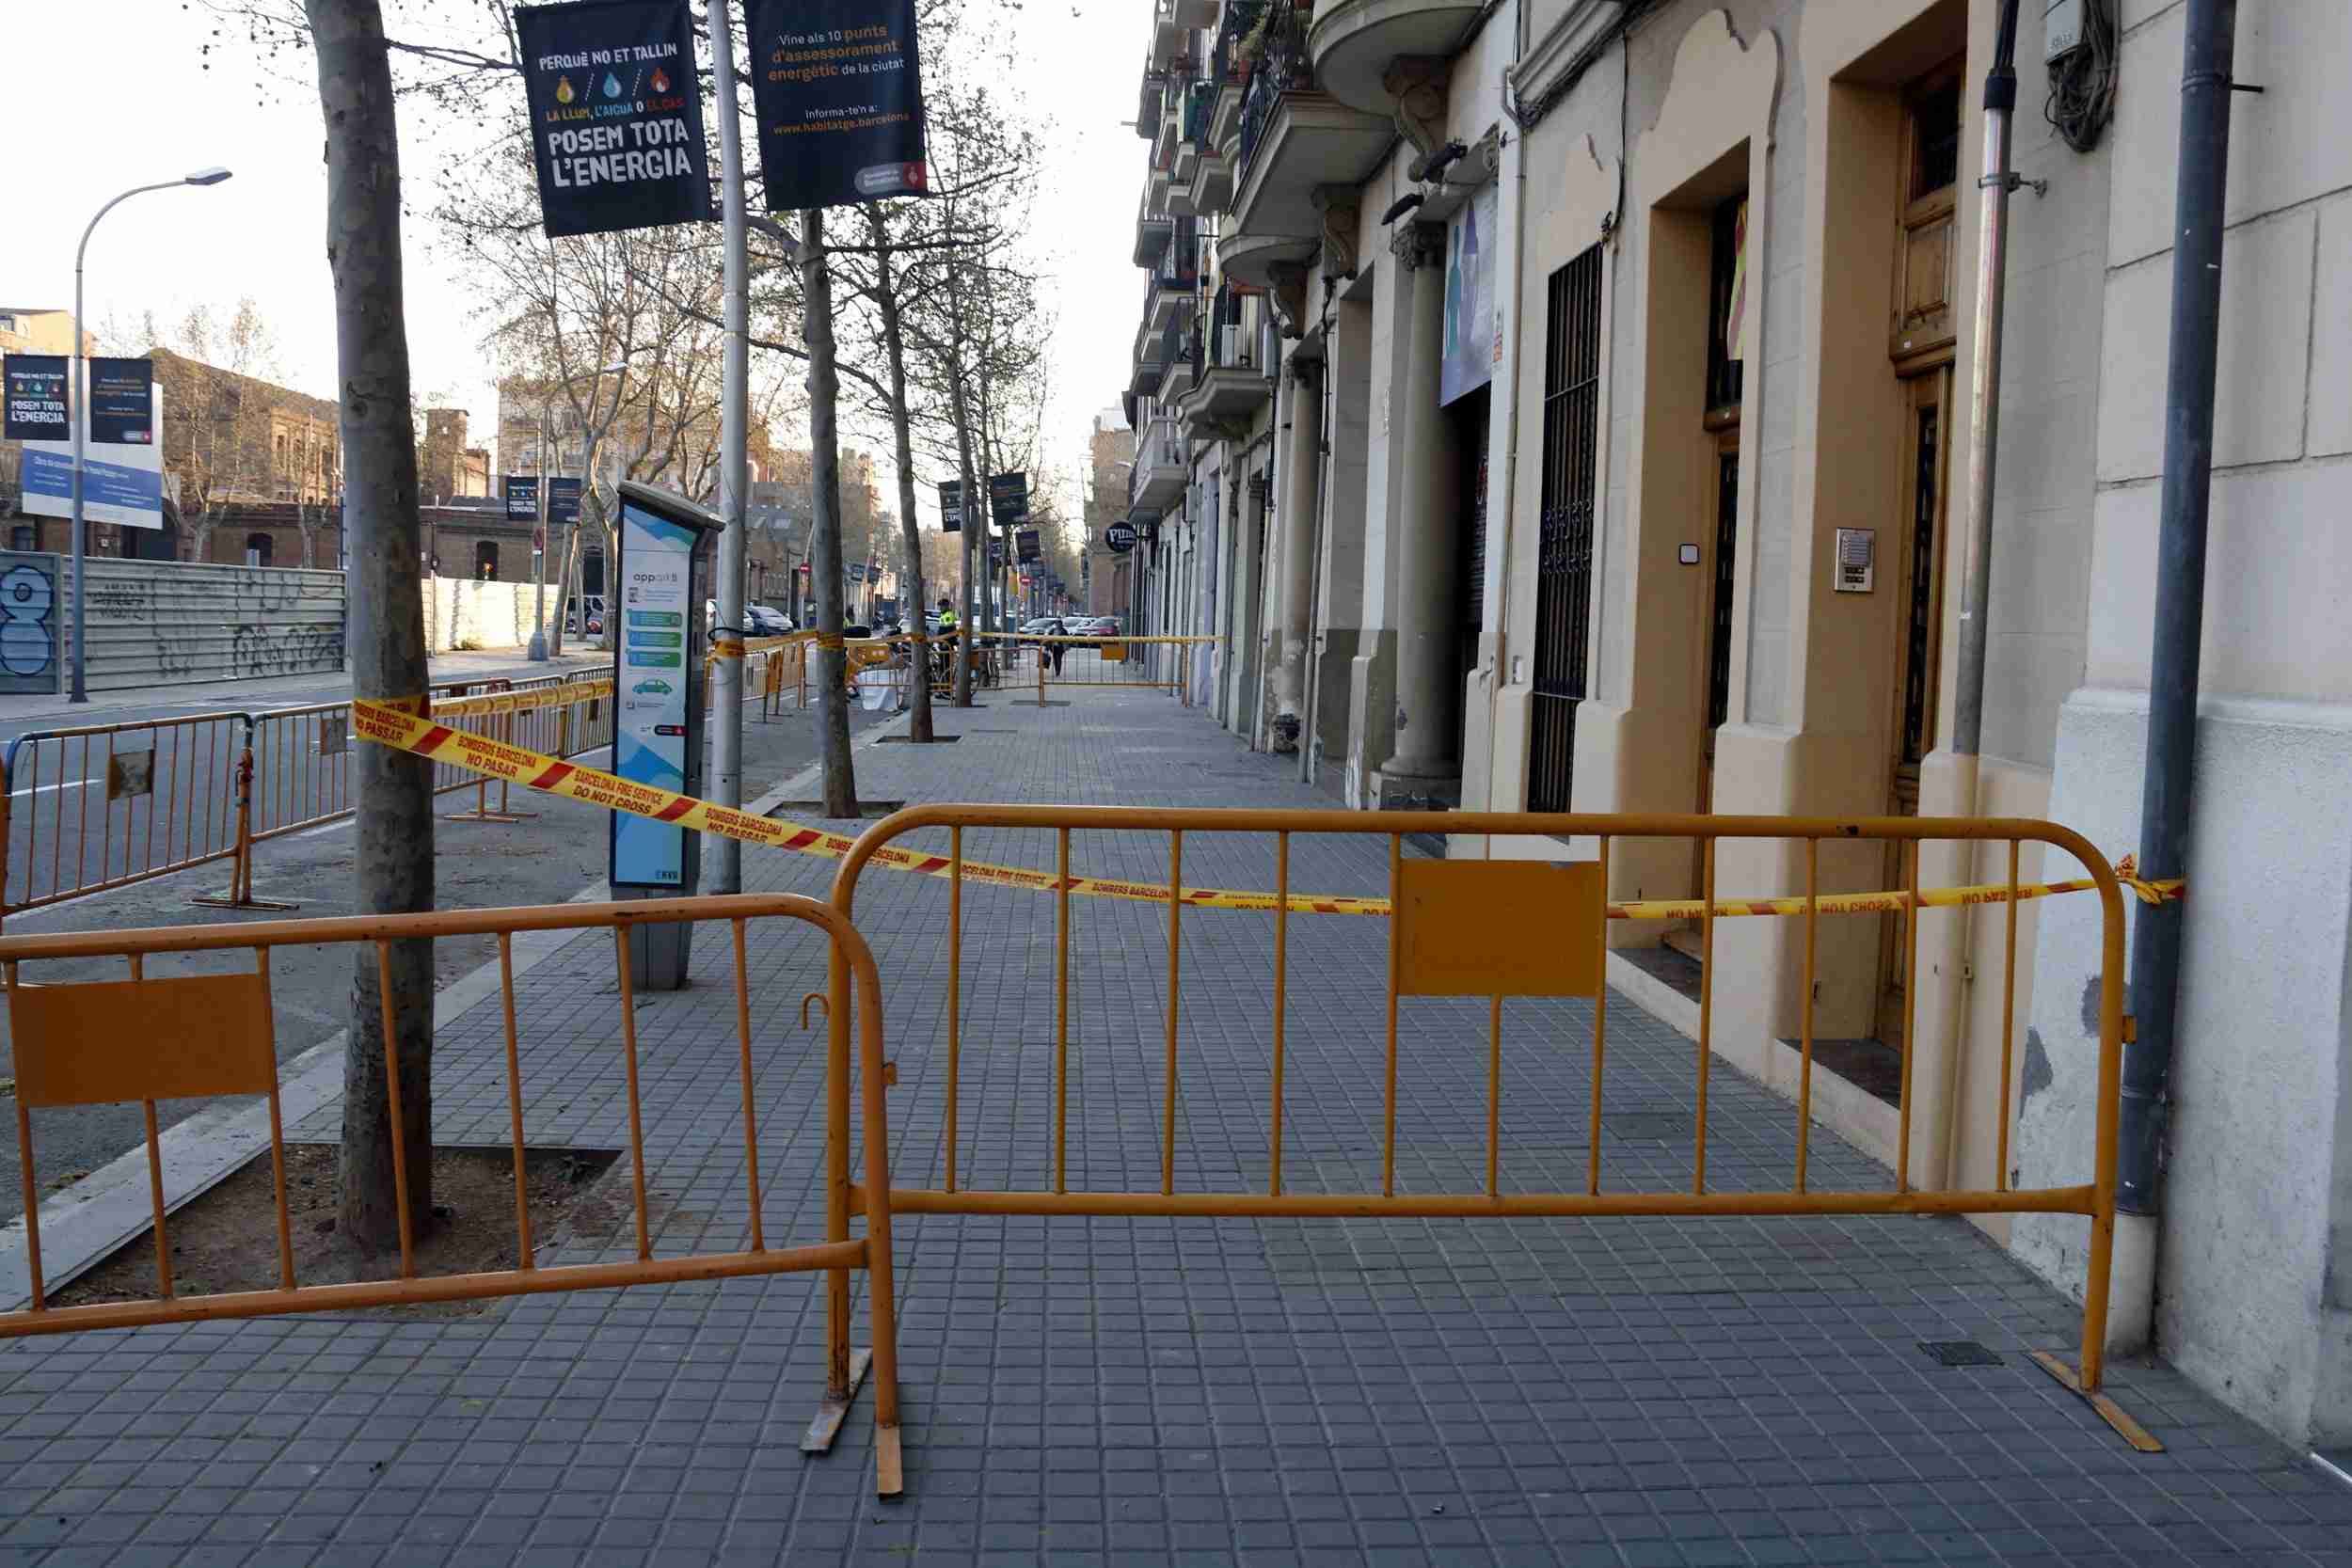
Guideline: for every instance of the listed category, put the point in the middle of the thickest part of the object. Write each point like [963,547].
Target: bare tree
[395,800]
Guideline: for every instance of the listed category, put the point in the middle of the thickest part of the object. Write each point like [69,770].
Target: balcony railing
[1224,55]
[1199,101]
[1279,66]
[1230,340]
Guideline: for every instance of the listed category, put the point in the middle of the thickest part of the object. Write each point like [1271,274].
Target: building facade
[1568,405]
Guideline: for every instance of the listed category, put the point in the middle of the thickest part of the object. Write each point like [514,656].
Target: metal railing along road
[95,807]
[1481,931]
[210,1034]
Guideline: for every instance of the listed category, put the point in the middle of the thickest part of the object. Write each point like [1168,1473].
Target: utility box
[2061,29]
[658,712]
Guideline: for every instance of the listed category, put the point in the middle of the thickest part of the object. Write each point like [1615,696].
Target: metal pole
[723,870]
[2167,787]
[537,652]
[1985,391]
[79,416]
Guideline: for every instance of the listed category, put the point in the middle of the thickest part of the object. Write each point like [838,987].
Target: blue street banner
[616,115]
[951,506]
[563,500]
[522,498]
[1027,542]
[37,398]
[121,403]
[837,89]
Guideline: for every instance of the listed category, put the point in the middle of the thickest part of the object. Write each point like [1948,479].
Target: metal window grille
[1564,572]
[1922,596]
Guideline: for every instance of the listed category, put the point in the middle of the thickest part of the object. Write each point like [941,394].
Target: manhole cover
[1959,1353]
[1649,1124]
[867,810]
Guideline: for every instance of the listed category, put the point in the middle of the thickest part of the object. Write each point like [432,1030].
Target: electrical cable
[2082,82]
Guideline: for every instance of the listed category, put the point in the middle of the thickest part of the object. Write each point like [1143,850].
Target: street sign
[121,403]
[522,498]
[1008,498]
[837,90]
[857,571]
[37,398]
[563,499]
[616,115]
[1120,538]
[951,506]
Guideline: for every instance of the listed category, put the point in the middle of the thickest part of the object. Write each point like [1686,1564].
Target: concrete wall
[461,613]
[2253,1264]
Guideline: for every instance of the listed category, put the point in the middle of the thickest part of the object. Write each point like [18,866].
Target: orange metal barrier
[147,797]
[1128,662]
[148,1039]
[1491,929]
[159,795]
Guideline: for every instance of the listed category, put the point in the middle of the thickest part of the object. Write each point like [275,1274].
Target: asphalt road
[543,858]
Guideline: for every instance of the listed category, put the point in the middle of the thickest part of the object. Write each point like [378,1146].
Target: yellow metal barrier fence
[1151,663]
[148,1039]
[101,806]
[1493,929]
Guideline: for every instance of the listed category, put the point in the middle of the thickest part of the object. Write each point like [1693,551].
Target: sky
[140,107]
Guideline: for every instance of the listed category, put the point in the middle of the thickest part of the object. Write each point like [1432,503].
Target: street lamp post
[81,416]
[537,652]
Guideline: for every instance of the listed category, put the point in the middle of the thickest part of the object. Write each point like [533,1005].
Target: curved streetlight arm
[81,423]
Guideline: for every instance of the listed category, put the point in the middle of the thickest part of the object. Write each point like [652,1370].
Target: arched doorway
[485,561]
[257,549]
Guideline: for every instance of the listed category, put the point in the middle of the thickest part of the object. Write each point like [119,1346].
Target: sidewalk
[1228,1392]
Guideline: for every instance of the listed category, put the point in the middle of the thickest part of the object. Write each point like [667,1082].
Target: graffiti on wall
[157,622]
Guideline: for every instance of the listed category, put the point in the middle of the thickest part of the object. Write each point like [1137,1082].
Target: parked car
[766,621]
[594,604]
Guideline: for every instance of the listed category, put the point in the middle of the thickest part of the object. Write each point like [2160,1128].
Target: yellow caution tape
[387,725]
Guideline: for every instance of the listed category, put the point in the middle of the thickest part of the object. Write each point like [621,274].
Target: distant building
[446,467]
[1111,452]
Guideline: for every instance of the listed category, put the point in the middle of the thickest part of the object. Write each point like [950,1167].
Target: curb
[89,1222]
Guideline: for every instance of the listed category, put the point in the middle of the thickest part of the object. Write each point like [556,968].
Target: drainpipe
[2167,782]
[1994,185]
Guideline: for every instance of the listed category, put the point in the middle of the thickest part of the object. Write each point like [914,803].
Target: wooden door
[1912,568]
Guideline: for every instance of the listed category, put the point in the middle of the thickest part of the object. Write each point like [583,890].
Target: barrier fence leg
[1041,676]
[844,1368]
[240,893]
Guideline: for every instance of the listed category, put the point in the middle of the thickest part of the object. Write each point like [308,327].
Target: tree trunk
[911,590]
[394,841]
[973,537]
[563,595]
[824,392]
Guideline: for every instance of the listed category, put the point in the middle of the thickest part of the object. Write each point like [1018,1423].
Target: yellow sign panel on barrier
[1498,928]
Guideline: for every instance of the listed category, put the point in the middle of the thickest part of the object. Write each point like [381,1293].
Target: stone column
[1302,411]
[1427,760]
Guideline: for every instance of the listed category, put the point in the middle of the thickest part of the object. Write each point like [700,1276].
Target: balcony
[1168,291]
[1213,183]
[1231,59]
[1351,43]
[1149,100]
[1169,36]
[1229,381]
[1159,472]
[1152,229]
[1180,351]
[1294,139]
[1144,380]
[1196,13]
